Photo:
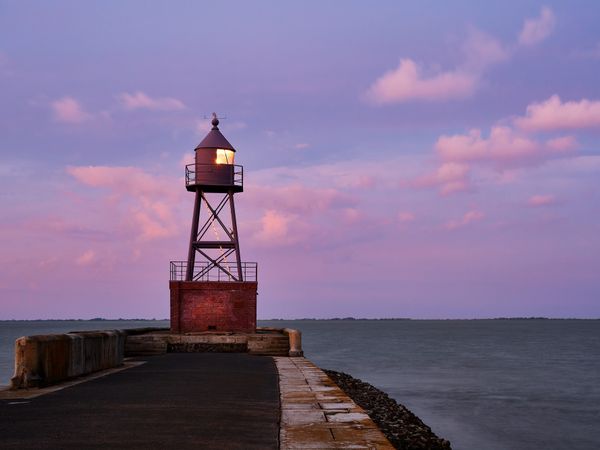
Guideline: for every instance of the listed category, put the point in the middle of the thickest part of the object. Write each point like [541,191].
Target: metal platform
[205,271]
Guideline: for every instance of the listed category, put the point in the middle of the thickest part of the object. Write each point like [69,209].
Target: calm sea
[482,384]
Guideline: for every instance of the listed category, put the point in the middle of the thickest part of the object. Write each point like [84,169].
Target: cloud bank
[554,114]
[409,81]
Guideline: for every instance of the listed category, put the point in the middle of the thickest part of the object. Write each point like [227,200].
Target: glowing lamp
[224,156]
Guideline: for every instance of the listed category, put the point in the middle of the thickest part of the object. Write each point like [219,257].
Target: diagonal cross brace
[214,216]
[216,263]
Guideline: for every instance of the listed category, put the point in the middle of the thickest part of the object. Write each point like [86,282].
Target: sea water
[482,384]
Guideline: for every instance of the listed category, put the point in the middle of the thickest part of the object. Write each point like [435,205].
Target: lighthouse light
[224,156]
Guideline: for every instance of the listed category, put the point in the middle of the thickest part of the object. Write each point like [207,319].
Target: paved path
[173,401]
[316,414]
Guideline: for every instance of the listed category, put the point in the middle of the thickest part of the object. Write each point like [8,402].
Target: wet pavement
[176,400]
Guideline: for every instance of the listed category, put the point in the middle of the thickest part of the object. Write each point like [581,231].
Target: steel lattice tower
[214,174]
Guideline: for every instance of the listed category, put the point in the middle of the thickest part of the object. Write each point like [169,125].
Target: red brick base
[213,306]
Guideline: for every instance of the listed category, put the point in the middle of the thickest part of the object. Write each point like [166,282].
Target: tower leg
[236,240]
[189,276]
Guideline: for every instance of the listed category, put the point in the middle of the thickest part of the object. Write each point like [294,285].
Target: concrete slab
[346,417]
[337,405]
[302,417]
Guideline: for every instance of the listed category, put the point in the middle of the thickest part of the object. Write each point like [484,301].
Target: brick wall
[210,305]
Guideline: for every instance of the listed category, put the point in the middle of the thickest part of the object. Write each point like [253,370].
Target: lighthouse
[214,290]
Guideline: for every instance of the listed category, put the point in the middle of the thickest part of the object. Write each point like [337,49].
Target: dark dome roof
[215,139]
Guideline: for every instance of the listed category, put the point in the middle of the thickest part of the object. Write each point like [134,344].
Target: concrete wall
[294,339]
[266,341]
[198,306]
[47,359]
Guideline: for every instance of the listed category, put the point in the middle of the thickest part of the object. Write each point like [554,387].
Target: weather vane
[214,116]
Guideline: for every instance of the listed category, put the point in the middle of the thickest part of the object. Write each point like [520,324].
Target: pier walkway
[172,401]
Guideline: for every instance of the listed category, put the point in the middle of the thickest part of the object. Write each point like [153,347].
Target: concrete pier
[166,398]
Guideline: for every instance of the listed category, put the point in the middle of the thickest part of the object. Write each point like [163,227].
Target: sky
[401,159]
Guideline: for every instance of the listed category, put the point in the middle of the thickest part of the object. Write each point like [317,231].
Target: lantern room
[214,169]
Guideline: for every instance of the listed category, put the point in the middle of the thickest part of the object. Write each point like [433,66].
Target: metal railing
[204,271]
[214,174]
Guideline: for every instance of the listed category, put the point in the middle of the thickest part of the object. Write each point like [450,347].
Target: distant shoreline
[312,319]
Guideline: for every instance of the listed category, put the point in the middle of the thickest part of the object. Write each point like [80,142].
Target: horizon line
[349,318]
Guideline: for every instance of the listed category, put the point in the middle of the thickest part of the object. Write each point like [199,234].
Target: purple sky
[402,159]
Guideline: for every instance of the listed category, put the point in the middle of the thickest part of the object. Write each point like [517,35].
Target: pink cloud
[449,177]
[541,200]
[275,226]
[144,202]
[468,218]
[562,144]
[291,214]
[482,50]
[553,114]
[69,110]
[140,100]
[130,180]
[152,227]
[187,158]
[506,147]
[86,258]
[503,145]
[364,182]
[407,82]
[280,228]
[405,216]
[351,215]
[537,29]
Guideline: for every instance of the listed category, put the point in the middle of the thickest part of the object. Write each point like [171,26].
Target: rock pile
[403,429]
